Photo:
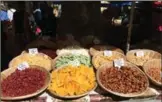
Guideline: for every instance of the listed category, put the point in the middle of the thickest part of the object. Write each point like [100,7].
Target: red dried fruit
[23,82]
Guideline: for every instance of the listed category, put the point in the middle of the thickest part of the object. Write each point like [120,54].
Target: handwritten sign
[33,51]
[23,66]
[119,63]
[107,53]
[139,53]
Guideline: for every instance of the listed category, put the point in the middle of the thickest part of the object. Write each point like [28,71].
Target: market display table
[95,96]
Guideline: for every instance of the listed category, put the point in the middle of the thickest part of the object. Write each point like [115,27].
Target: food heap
[124,80]
[73,50]
[72,80]
[24,82]
[73,73]
[139,57]
[153,70]
[101,58]
[155,73]
[72,58]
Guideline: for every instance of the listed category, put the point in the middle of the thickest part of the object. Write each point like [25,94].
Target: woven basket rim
[24,53]
[107,47]
[129,53]
[146,68]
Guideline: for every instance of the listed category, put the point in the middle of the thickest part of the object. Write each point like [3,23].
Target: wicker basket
[9,71]
[127,64]
[25,57]
[40,51]
[115,55]
[70,97]
[154,63]
[98,48]
[139,61]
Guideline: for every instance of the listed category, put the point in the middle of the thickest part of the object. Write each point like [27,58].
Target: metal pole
[130,26]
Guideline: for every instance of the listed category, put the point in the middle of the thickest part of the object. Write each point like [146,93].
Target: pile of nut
[124,80]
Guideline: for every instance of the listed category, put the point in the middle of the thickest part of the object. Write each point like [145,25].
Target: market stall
[78,75]
[67,70]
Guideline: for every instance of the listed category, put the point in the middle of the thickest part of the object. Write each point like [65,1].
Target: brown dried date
[125,80]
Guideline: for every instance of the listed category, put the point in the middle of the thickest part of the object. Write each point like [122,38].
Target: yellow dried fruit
[72,80]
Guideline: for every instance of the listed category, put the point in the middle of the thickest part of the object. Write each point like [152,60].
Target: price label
[33,51]
[107,53]
[119,63]
[75,62]
[23,66]
[139,53]
[87,98]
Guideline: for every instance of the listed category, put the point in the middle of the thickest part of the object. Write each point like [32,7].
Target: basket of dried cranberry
[153,70]
[126,81]
[21,84]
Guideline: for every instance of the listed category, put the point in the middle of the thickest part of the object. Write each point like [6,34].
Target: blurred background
[102,22]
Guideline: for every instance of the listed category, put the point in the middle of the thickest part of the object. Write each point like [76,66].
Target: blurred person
[3,12]
[37,14]
[48,21]
[56,12]
[10,12]
[21,25]
[5,56]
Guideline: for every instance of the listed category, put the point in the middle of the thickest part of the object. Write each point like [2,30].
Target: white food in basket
[73,51]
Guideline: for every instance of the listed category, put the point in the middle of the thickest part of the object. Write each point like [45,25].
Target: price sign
[23,66]
[33,51]
[139,53]
[107,53]
[87,98]
[119,63]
